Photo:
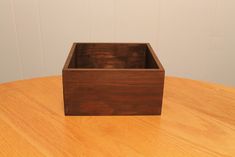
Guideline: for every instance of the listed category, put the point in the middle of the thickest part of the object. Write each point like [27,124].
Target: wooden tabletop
[198,119]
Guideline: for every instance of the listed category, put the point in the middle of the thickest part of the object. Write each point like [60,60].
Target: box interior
[112,56]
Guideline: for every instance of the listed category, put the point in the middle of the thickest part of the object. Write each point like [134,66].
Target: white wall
[193,38]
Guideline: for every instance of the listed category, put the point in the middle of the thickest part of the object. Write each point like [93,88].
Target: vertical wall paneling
[102,20]
[62,22]
[186,30]
[226,25]
[196,39]
[10,66]
[27,26]
[137,21]
[193,39]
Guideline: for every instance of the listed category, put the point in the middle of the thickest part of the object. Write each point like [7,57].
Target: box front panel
[113,92]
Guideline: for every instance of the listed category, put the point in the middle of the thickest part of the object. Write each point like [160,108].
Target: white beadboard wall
[193,38]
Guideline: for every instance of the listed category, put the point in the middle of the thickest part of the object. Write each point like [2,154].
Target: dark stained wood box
[112,79]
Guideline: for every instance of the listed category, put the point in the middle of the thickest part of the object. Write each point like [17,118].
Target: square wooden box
[112,79]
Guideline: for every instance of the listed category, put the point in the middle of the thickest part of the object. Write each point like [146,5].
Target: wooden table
[198,120]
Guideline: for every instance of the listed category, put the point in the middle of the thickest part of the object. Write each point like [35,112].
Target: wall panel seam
[17,40]
[42,46]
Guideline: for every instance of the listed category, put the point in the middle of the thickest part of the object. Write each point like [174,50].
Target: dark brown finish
[112,79]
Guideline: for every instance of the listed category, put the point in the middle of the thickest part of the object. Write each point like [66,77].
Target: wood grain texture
[111,92]
[112,79]
[198,119]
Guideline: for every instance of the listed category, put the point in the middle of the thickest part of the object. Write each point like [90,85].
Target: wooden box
[112,79]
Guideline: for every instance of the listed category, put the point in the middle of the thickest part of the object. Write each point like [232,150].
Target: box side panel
[153,57]
[150,62]
[113,92]
[65,90]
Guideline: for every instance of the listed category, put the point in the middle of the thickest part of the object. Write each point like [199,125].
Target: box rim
[69,57]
